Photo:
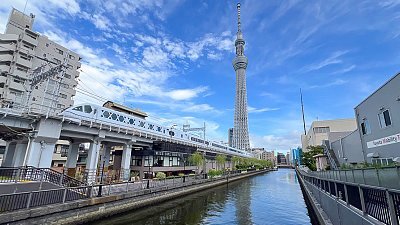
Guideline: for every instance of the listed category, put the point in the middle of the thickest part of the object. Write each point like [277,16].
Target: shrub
[160,175]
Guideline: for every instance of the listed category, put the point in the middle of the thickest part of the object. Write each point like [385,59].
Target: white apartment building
[324,129]
[22,50]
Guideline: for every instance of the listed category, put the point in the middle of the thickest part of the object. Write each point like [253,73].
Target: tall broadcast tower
[241,127]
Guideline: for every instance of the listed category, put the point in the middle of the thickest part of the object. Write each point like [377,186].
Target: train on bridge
[103,115]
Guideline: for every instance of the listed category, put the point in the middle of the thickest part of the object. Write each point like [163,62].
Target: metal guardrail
[15,175]
[378,202]
[387,177]
[26,200]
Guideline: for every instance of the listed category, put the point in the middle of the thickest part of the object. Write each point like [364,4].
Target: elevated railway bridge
[31,140]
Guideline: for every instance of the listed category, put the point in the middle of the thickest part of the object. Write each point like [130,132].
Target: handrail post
[41,179]
[392,212]
[64,195]
[346,194]
[29,200]
[361,193]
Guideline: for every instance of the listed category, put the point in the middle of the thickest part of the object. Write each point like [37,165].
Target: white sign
[384,141]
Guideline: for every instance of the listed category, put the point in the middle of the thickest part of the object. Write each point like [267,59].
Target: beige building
[322,130]
[269,155]
[23,51]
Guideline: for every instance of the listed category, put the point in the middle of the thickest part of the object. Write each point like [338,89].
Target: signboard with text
[384,141]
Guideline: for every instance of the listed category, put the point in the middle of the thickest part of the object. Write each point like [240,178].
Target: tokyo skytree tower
[241,128]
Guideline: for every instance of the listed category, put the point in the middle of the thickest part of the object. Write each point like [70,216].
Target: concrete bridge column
[106,157]
[92,160]
[72,159]
[40,154]
[126,162]
[9,154]
[19,154]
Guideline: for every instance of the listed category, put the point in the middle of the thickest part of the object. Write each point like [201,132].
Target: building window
[319,130]
[384,118]
[57,61]
[47,44]
[60,106]
[72,57]
[365,128]
[63,95]
[61,52]
[67,76]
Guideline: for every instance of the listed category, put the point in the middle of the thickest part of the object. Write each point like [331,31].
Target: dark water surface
[271,198]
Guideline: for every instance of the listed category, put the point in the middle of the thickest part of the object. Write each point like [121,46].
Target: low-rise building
[377,139]
[321,130]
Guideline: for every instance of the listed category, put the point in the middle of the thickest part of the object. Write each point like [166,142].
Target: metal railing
[26,200]
[387,177]
[380,203]
[21,174]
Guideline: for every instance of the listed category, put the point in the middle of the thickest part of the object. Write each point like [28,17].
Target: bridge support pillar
[92,161]
[40,154]
[19,154]
[126,162]
[9,154]
[72,159]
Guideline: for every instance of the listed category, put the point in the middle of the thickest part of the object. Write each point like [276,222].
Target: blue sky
[173,59]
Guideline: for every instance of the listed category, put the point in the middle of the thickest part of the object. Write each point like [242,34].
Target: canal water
[270,198]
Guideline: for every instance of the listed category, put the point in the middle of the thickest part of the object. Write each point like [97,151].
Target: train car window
[131,121]
[121,118]
[114,116]
[88,109]
[78,108]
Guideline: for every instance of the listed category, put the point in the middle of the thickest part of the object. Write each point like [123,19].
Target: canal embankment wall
[87,210]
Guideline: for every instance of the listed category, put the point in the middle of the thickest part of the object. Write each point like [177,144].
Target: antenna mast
[302,112]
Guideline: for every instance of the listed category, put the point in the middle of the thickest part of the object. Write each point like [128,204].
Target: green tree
[221,159]
[196,159]
[308,156]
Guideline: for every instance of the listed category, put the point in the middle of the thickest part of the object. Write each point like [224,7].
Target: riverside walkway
[359,196]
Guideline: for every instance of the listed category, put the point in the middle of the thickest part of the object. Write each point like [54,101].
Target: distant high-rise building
[230,136]
[241,128]
[281,159]
[22,52]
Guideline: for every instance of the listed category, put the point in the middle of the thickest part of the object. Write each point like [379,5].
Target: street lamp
[184,168]
[148,177]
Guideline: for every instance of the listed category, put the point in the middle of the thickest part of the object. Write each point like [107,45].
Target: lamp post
[184,168]
[101,181]
[148,177]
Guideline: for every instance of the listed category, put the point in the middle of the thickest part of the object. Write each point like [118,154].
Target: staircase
[23,174]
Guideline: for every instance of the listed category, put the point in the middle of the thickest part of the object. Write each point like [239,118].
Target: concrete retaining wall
[92,209]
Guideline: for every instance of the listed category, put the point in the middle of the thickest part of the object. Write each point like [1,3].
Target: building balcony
[30,40]
[20,73]
[23,62]
[9,37]
[16,86]
[26,50]
[3,79]
[6,57]
[4,68]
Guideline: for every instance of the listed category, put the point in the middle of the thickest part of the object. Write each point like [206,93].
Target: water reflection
[273,198]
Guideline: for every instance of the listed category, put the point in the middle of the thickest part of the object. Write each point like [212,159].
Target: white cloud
[333,59]
[278,142]
[330,84]
[260,110]
[186,94]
